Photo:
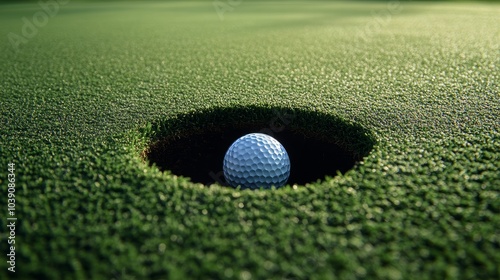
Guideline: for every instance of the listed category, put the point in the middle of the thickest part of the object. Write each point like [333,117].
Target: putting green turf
[77,97]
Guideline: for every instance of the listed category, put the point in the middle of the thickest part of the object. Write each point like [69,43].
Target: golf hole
[194,144]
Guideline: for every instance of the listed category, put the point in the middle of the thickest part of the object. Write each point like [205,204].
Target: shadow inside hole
[194,144]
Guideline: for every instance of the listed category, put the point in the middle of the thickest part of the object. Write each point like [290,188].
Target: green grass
[77,98]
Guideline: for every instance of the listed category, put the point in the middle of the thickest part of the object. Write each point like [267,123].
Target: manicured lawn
[409,91]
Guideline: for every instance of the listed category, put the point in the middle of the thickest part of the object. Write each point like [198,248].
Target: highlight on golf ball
[256,161]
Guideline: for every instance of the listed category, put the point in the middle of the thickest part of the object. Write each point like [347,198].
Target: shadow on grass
[194,144]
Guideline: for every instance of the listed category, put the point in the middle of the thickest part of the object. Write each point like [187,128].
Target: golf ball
[256,160]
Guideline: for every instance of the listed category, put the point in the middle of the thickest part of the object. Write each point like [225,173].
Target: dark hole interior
[199,154]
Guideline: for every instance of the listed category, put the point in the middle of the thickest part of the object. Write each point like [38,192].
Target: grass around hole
[83,97]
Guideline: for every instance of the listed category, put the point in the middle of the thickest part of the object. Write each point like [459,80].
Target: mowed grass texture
[80,100]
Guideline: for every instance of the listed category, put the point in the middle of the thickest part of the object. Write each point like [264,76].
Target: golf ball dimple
[256,160]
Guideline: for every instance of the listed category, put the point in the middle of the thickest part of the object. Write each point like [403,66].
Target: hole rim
[349,136]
